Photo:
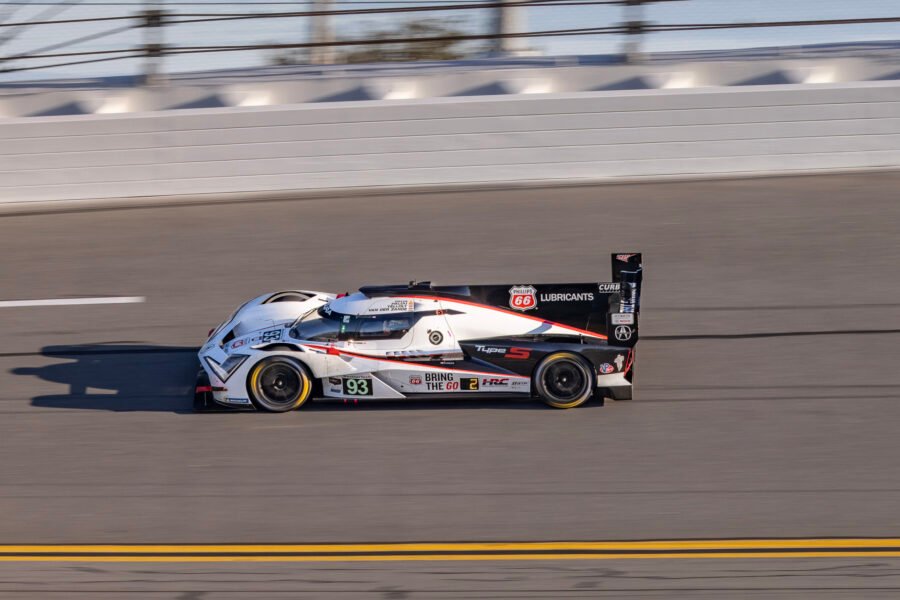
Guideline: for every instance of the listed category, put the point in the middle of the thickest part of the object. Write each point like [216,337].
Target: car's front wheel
[279,384]
[564,380]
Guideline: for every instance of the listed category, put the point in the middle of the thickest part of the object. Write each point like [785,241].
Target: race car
[563,343]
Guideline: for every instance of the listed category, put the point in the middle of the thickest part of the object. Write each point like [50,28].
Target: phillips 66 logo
[522,297]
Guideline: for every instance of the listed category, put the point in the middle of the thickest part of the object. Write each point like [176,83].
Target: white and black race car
[561,342]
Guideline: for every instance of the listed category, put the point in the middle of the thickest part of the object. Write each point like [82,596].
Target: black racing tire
[564,380]
[279,384]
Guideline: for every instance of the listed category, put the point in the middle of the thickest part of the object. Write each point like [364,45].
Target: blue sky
[559,17]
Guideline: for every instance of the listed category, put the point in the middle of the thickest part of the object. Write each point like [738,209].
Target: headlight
[228,366]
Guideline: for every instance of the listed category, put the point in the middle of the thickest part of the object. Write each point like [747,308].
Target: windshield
[326,325]
[384,327]
[321,325]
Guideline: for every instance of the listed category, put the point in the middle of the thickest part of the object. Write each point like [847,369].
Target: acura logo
[623,333]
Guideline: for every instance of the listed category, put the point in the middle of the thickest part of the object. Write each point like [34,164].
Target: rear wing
[625,304]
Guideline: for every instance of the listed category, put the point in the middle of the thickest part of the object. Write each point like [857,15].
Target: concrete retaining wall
[526,137]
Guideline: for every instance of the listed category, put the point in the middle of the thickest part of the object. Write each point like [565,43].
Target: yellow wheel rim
[302,395]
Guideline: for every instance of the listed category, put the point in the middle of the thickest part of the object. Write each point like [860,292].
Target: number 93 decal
[357,387]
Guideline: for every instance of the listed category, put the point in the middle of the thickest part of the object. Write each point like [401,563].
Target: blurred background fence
[149,39]
[102,99]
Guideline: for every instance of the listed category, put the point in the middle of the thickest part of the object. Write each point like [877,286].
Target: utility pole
[634,30]
[635,27]
[509,18]
[321,32]
[153,17]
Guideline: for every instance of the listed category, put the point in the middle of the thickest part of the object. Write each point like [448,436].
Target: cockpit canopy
[360,304]
[328,325]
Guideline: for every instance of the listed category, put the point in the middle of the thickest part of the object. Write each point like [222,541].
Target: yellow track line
[481,551]
[444,557]
[715,545]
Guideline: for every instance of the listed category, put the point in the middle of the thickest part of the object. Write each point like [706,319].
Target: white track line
[72,301]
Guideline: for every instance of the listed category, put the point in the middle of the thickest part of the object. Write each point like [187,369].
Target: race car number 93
[357,387]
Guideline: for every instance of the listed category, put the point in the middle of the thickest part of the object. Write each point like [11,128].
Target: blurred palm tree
[386,48]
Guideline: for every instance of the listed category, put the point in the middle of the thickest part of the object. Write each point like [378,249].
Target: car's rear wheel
[564,380]
[279,384]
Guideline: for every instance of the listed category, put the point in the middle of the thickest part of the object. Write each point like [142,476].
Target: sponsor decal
[237,400]
[435,337]
[624,257]
[522,297]
[327,309]
[608,288]
[270,336]
[334,385]
[473,384]
[568,297]
[401,305]
[623,333]
[442,386]
[441,382]
[429,377]
[518,354]
[452,382]
[490,349]
[622,318]
[265,337]
[357,386]
[606,369]
[468,384]
[620,360]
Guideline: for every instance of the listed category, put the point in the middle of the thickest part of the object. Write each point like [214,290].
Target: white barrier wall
[462,140]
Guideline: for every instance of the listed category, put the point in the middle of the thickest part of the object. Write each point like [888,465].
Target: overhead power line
[700,26]
[246,4]
[205,17]
[119,54]
[68,64]
[173,18]
[39,53]
[67,21]
[669,27]
[364,42]
[462,37]
[10,12]
[47,13]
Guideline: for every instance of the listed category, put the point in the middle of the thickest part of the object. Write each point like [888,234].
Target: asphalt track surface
[767,401]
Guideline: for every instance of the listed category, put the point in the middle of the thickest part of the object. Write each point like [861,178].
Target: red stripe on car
[509,312]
